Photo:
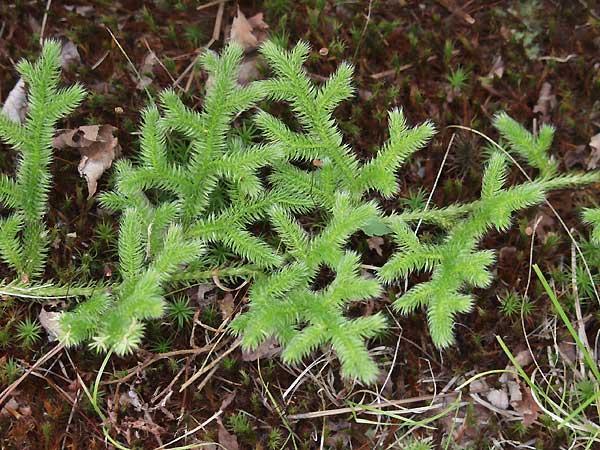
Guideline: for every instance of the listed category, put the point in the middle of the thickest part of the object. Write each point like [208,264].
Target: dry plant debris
[98,148]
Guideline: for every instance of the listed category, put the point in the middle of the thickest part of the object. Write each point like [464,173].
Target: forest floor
[537,60]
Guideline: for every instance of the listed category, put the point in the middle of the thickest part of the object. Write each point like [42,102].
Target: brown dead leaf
[131,398]
[15,105]
[227,400]
[497,70]
[375,243]
[84,11]
[248,71]
[266,350]
[69,55]
[576,157]
[227,306]
[49,322]
[527,406]
[524,358]
[226,439]
[593,161]
[249,33]
[11,408]
[546,102]
[498,398]
[147,71]
[543,225]
[98,148]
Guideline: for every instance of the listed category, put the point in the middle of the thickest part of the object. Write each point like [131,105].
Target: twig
[390,72]
[6,392]
[198,428]
[215,37]
[557,59]
[360,408]
[137,73]
[160,63]
[453,8]
[362,34]
[44,20]
[209,4]
[137,369]
[208,367]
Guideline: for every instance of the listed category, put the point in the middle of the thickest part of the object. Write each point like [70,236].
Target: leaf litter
[97,146]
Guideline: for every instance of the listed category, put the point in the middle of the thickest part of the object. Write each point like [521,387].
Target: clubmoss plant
[201,191]
[592,217]
[23,235]
[456,264]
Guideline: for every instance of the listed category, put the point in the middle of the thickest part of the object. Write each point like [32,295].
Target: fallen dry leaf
[147,71]
[69,55]
[375,243]
[524,358]
[546,102]
[248,71]
[84,11]
[11,407]
[227,305]
[498,398]
[527,406]
[49,322]
[249,33]
[15,105]
[226,439]
[543,225]
[131,398]
[497,70]
[266,350]
[593,161]
[576,157]
[98,148]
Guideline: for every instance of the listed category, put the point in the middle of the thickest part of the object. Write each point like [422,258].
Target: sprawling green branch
[23,235]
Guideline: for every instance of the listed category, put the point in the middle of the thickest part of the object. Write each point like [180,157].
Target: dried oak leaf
[249,33]
[498,398]
[527,406]
[546,102]
[593,161]
[49,322]
[227,306]
[497,70]
[226,439]
[147,71]
[15,105]
[375,244]
[98,148]
[266,350]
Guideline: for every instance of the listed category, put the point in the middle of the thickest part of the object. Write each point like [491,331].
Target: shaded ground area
[537,60]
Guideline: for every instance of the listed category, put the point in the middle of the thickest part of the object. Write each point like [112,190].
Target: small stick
[209,4]
[6,392]
[210,366]
[160,63]
[44,20]
[215,37]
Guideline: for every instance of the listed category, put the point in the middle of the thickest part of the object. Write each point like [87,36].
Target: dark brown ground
[398,51]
